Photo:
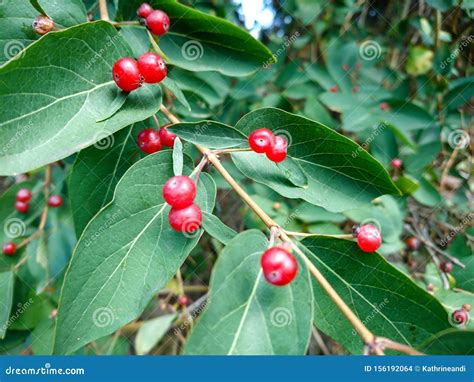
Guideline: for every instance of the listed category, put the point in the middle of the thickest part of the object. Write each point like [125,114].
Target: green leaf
[340,174]
[406,184]
[137,38]
[197,41]
[173,87]
[54,114]
[151,332]
[125,254]
[97,170]
[178,157]
[442,5]
[115,105]
[293,172]
[386,300]
[6,300]
[217,229]
[65,13]
[450,342]
[257,317]
[213,135]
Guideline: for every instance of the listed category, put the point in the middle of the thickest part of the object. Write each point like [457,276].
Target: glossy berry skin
[152,68]
[22,207]
[167,137]
[187,219]
[413,244]
[149,141]
[55,201]
[396,163]
[9,249]
[158,22]
[277,152]
[182,300]
[279,266]
[369,238]
[23,195]
[144,10]
[126,74]
[179,191]
[460,317]
[446,267]
[260,140]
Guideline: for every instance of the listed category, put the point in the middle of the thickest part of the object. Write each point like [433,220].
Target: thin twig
[389,344]
[104,12]
[304,234]
[319,341]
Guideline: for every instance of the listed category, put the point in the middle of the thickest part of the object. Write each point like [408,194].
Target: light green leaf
[55,112]
[293,172]
[178,157]
[257,317]
[341,175]
[386,300]
[213,135]
[151,332]
[174,88]
[125,254]
[6,300]
[217,229]
[65,13]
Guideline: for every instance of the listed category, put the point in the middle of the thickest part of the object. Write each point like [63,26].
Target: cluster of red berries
[368,237]
[129,74]
[155,20]
[150,140]
[461,316]
[179,192]
[22,205]
[446,267]
[279,266]
[274,146]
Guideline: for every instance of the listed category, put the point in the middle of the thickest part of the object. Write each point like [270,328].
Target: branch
[104,12]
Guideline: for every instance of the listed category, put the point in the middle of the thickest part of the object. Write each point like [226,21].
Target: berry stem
[123,23]
[366,335]
[229,151]
[104,12]
[303,234]
[157,48]
[389,344]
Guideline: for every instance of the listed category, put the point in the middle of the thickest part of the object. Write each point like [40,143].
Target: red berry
[55,201]
[384,106]
[260,140]
[9,248]
[182,300]
[460,317]
[277,152]
[144,10]
[279,266]
[22,207]
[446,267]
[158,22]
[23,195]
[345,67]
[396,163]
[179,191]
[185,219]
[126,74]
[166,136]
[149,141]
[333,89]
[413,244]
[369,238]
[152,68]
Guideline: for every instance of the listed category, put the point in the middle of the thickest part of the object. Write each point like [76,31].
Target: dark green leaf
[6,293]
[293,172]
[450,342]
[173,87]
[217,229]
[257,317]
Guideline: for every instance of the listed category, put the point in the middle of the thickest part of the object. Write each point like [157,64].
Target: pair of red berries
[179,192]
[446,267]
[279,266]
[368,237]
[274,146]
[156,21]
[150,140]
[22,203]
[129,74]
